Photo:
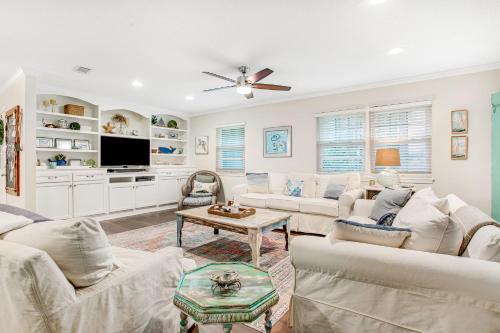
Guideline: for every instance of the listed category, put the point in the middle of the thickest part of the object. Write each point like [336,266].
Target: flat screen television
[118,152]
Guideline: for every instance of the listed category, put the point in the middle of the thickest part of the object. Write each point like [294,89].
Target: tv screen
[116,151]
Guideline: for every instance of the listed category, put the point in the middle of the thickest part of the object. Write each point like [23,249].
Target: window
[406,128]
[231,148]
[341,141]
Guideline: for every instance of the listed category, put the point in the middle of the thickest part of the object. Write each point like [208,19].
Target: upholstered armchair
[204,176]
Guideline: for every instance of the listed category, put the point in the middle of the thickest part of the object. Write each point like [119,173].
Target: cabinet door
[121,197]
[180,182]
[167,191]
[54,200]
[88,198]
[145,195]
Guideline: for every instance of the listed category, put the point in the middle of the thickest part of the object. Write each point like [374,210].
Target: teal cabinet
[495,131]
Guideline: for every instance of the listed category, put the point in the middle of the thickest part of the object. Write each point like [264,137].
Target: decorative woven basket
[75,110]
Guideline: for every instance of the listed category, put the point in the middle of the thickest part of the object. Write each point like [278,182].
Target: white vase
[388,178]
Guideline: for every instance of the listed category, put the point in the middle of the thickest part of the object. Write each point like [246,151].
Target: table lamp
[388,157]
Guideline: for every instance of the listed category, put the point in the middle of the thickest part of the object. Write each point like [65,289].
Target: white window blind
[409,130]
[341,141]
[231,148]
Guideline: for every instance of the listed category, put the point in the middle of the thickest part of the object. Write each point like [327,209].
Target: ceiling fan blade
[249,95]
[219,88]
[259,75]
[219,76]
[270,87]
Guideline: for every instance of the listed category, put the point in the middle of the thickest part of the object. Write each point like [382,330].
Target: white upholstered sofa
[344,287]
[136,297]
[311,213]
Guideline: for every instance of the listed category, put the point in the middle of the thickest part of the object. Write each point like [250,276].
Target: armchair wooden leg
[216,231]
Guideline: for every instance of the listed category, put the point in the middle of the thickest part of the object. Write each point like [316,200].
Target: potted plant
[121,120]
[60,159]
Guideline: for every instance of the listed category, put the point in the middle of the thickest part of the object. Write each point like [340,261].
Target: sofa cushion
[79,247]
[10,222]
[389,201]
[423,215]
[258,182]
[294,187]
[485,244]
[309,188]
[277,182]
[257,200]
[361,219]
[322,182]
[283,202]
[369,233]
[320,206]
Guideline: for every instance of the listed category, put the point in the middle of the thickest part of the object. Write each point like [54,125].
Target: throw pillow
[387,219]
[10,222]
[388,200]
[423,215]
[309,183]
[79,247]
[333,191]
[369,233]
[204,178]
[294,187]
[257,182]
[199,187]
[485,244]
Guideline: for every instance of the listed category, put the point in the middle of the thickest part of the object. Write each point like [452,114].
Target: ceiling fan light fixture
[243,90]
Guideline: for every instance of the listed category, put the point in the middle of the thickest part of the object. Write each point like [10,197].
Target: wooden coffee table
[254,226]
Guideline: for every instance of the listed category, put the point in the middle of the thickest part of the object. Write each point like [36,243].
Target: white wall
[20,90]
[470,179]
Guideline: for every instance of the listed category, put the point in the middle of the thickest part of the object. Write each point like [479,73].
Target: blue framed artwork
[278,141]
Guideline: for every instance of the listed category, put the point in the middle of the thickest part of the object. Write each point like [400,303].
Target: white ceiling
[313,46]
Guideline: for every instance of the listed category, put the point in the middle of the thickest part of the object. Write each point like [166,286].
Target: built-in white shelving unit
[164,136]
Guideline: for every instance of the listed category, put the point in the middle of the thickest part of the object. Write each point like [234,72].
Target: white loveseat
[136,297]
[344,287]
[311,213]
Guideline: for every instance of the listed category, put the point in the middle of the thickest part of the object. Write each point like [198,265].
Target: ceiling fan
[244,84]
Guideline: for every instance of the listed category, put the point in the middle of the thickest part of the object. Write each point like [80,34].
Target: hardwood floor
[140,221]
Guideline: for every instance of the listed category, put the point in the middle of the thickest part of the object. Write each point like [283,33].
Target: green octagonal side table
[194,297]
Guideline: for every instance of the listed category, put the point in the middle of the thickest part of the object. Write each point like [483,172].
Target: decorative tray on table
[219,210]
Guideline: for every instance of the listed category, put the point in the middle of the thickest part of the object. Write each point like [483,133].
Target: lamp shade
[387,157]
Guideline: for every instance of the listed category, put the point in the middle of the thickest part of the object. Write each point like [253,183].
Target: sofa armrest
[397,268]
[346,201]
[30,283]
[239,190]
[363,207]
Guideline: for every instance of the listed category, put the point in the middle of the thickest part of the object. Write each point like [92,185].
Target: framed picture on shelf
[42,142]
[81,144]
[277,141]
[63,143]
[459,147]
[201,145]
[459,122]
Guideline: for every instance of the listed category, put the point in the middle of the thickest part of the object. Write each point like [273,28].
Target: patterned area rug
[201,245]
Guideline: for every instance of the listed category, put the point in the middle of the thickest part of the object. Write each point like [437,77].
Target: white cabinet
[167,190]
[54,200]
[121,197]
[88,198]
[145,194]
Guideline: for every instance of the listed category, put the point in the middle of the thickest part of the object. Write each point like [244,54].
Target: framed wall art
[13,147]
[201,145]
[459,122]
[277,141]
[42,142]
[63,143]
[459,147]
[81,144]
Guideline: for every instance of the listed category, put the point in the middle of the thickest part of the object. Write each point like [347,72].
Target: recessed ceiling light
[394,51]
[137,83]
[376,2]
[189,98]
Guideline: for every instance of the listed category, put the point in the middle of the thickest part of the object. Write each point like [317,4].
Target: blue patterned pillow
[294,187]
